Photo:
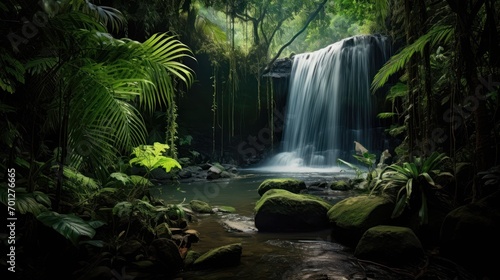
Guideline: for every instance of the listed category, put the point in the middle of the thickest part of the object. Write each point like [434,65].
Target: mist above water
[330,104]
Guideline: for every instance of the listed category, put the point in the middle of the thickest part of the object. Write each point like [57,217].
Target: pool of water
[304,255]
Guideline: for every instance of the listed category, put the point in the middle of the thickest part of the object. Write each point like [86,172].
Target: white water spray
[330,104]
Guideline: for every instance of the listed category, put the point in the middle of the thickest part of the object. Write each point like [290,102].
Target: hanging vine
[214,104]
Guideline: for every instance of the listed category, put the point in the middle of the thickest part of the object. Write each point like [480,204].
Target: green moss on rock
[352,216]
[200,206]
[361,211]
[281,210]
[289,184]
[224,256]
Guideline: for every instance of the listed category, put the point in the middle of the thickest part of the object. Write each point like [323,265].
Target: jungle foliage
[88,88]
[72,108]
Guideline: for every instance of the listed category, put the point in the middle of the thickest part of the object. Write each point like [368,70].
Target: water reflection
[265,255]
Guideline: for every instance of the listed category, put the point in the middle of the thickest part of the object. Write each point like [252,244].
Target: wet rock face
[281,68]
[282,211]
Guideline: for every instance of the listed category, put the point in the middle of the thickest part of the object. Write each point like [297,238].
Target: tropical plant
[412,181]
[364,157]
[149,215]
[151,157]
[438,34]
[70,226]
[89,89]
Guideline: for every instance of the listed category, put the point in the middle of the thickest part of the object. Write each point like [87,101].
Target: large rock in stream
[282,211]
[351,217]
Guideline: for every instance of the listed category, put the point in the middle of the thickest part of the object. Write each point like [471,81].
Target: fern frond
[437,34]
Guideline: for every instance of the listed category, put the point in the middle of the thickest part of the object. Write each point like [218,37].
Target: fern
[396,130]
[40,65]
[151,157]
[79,179]
[437,34]
[122,177]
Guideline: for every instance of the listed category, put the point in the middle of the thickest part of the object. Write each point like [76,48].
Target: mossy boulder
[289,184]
[392,245]
[283,211]
[224,256]
[190,258]
[351,217]
[199,206]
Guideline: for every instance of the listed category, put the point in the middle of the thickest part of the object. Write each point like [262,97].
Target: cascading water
[330,104]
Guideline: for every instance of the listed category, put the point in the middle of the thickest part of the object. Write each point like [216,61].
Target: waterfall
[330,104]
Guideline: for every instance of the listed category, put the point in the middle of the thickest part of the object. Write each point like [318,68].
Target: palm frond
[161,55]
[210,30]
[42,64]
[71,21]
[437,34]
[106,15]
[102,15]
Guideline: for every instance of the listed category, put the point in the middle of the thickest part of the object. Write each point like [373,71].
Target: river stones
[351,217]
[283,211]
[199,206]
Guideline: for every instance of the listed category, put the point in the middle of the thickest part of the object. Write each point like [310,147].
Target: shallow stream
[305,255]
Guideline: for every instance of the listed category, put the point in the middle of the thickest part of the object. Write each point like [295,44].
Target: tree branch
[309,19]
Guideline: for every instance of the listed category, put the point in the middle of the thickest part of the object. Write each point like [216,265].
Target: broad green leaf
[25,202]
[70,226]
[95,243]
[96,223]
[123,209]
[122,177]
